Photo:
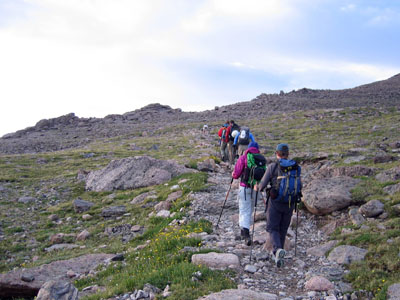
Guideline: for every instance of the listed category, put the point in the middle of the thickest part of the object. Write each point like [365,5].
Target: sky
[101,57]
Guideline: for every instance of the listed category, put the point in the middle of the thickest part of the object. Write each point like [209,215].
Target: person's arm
[266,178]
[236,139]
[239,167]
[252,137]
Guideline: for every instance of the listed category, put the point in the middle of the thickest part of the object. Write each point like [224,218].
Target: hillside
[125,207]
[71,131]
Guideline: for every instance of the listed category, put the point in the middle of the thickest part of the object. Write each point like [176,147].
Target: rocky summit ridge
[70,131]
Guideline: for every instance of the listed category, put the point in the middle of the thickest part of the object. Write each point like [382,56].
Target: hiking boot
[246,236]
[279,257]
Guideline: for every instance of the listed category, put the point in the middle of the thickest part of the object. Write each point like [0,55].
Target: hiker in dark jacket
[246,195]
[279,214]
[231,132]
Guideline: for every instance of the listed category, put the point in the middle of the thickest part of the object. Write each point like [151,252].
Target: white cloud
[96,57]
[349,7]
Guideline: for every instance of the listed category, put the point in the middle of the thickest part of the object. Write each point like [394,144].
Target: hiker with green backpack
[284,194]
[250,168]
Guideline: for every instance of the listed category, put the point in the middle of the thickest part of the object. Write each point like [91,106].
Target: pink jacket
[242,163]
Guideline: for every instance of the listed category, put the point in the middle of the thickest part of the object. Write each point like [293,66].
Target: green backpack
[255,169]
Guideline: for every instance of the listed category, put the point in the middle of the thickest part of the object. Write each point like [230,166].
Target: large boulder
[393,292]
[239,294]
[14,283]
[323,196]
[347,254]
[392,174]
[133,172]
[372,208]
[58,290]
[216,260]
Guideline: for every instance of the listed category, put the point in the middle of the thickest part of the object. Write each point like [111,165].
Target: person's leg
[273,226]
[223,151]
[231,152]
[246,205]
[284,226]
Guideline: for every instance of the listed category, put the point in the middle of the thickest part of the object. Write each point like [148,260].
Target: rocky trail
[308,275]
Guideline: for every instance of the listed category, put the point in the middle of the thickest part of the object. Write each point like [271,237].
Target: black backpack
[244,136]
[233,128]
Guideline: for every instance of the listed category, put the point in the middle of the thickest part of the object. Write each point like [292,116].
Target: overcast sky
[100,57]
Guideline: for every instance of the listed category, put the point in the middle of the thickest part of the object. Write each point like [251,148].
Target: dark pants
[279,216]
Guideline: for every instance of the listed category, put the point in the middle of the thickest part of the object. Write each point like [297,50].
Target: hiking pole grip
[223,205]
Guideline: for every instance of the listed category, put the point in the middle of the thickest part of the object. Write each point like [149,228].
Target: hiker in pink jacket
[246,197]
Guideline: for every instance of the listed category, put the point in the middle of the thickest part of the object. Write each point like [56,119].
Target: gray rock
[356,217]
[372,208]
[11,284]
[396,209]
[383,159]
[113,211]
[58,290]
[354,159]
[140,198]
[318,283]
[27,200]
[82,205]
[132,173]
[60,247]
[321,250]
[250,268]
[207,165]
[239,294]
[391,189]
[323,196]
[84,235]
[393,292]
[347,254]
[216,260]
[163,213]
[27,277]
[392,174]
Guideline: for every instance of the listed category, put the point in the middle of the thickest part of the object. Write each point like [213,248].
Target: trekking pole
[223,205]
[297,225]
[254,225]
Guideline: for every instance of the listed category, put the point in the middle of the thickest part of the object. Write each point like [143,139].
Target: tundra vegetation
[51,178]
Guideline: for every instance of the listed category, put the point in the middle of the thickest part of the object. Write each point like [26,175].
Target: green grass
[51,178]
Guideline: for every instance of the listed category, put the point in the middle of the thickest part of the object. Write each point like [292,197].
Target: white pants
[246,206]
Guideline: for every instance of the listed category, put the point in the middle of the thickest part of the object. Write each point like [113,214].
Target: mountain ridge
[71,131]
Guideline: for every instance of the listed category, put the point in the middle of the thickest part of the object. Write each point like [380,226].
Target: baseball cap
[283,148]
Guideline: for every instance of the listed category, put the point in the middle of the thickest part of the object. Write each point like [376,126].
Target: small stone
[84,235]
[250,268]
[86,217]
[53,217]
[136,228]
[71,274]
[27,277]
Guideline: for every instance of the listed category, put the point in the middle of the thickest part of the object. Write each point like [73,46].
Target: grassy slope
[51,177]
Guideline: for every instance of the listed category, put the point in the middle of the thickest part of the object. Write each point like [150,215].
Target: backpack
[223,134]
[255,168]
[233,128]
[288,184]
[244,136]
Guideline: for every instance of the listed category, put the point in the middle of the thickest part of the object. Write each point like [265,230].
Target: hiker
[231,132]
[205,129]
[243,140]
[245,169]
[222,141]
[284,179]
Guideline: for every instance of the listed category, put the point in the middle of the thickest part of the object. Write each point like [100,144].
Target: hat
[253,144]
[283,148]
[235,133]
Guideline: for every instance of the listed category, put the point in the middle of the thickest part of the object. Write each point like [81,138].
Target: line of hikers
[234,140]
[281,180]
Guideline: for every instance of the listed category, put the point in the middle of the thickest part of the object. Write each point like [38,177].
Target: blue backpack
[288,183]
